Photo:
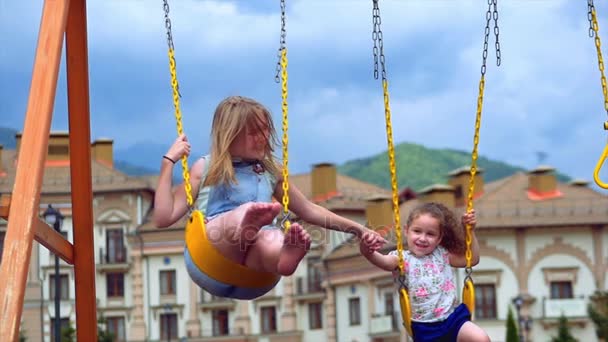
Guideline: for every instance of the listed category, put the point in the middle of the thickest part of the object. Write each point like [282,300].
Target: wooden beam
[5,205]
[80,169]
[25,199]
[54,241]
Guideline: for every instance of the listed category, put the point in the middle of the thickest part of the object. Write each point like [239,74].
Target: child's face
[252,141]
[423,235]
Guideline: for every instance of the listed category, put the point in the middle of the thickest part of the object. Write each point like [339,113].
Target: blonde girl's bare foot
[255,216]
[295,245]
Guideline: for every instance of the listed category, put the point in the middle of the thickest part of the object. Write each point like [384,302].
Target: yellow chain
[180,130]
[393,170]
[286,224]
[468,238]
[600,62]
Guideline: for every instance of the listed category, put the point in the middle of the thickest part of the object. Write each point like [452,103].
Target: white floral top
[430,283]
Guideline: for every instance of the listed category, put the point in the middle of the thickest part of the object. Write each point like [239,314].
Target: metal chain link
[598,46]
[496,31]
[176,104]
[590,9]
[277,77]
[379,61]
[377,38]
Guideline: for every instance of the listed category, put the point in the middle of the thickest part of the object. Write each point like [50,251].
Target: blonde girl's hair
[233,115]
[452,235]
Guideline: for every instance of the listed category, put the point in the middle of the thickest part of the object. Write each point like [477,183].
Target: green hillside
[418,167]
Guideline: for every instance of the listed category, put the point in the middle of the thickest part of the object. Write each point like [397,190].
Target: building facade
[542,241]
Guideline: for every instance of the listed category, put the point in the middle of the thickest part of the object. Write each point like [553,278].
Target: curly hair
[452,234]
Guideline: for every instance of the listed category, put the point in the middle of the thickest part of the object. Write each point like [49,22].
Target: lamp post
[518,301]
[54,218]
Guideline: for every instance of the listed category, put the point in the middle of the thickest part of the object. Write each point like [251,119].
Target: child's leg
[273,252]
[470,332]
[232,233]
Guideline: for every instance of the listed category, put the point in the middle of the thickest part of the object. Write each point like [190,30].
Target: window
[167,282]
[354,311]
[115,284]
[116,326]
[65,324]
[64,287]
[2,236]
[115,252]
[269,319]
[315,315]
[314,275]
[168,326]
[220,322]
[561,289]
[485,301]
[389,304]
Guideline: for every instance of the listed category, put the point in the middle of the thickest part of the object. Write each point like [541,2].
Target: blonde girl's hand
[469,218]
[180,148]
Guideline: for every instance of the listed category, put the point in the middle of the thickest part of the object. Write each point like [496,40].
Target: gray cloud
[546,96]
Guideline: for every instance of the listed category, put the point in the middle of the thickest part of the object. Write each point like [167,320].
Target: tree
[598,312]
[102,334]
[511,328]
[68,333]
[22,336]
[563,331]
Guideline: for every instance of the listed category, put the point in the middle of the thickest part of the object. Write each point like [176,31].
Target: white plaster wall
[304,324]
[504,243]
[345,332]
[535,242]
[157,264]
[539,289]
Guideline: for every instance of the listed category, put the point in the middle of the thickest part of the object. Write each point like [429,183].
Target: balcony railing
[113,256]
[306,285]
[220,332]
[384,324]
[569,307]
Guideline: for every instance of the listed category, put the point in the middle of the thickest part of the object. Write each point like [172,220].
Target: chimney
[459,180]
[439,193]
[102,152]
[1,164]
[542,180]
[379,212]
[58,146]
[324,181]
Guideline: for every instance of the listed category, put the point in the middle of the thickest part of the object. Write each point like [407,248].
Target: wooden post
[25,200]
[80,170]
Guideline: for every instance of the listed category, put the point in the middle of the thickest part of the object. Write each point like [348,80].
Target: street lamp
[518,302]
[54,218]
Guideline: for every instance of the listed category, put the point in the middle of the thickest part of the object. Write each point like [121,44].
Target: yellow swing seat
[215,273]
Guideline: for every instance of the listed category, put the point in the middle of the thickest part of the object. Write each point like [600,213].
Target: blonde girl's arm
[459,260]
[170,203]
[319,216]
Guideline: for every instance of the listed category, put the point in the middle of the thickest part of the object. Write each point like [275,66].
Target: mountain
[419,166]
[7,138]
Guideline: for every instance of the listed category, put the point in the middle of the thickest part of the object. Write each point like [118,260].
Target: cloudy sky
[545,96]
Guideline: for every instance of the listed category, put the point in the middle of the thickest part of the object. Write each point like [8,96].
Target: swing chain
[496,31]
[492,13]
[594,33]
[168,24]
[401,279]
[468,274]
[378,41]
[590,9]
[277,77]
[170,37]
